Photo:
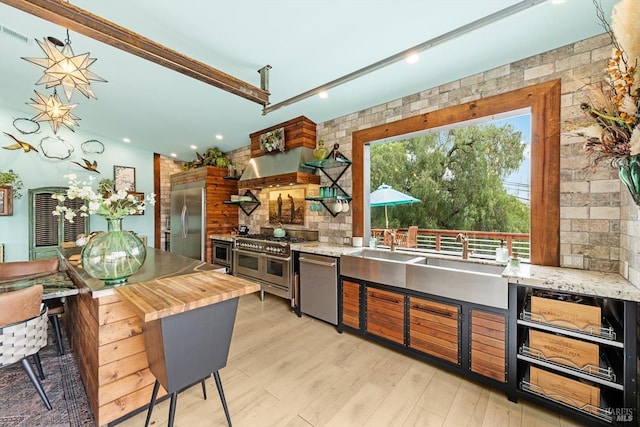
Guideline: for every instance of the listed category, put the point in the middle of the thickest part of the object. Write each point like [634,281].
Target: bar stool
[174,398]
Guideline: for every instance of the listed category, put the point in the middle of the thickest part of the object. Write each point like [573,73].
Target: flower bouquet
[611,111]
[115,255]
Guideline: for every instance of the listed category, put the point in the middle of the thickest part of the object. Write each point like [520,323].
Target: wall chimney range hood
[280,169]
[283,168]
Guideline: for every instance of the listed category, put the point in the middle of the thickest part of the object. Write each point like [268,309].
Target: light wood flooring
[287,371]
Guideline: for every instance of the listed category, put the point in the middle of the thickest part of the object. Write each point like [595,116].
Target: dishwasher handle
[316,262]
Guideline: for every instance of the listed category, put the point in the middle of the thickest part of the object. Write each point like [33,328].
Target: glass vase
[629,173]
[114,255]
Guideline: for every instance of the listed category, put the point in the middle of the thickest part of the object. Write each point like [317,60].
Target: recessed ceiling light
[193,147]
[126,139]
[173,155]
[558,1]
[413,58]
[323,95]
[219,137]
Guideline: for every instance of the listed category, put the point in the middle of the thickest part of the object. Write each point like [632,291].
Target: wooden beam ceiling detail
[81,21]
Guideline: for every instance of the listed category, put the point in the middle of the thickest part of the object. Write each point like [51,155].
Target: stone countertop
[225,237]
[593,283]
[158,265]
[320,248]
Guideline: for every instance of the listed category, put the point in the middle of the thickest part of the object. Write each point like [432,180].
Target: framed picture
[6,201]
[139,197]
[287,206]
[125,178]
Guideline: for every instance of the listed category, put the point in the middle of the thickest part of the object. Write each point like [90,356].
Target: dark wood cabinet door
[488,338]
[385,314]
[351,304]
[434,328]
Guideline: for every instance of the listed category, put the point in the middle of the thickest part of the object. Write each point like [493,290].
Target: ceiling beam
[81,21]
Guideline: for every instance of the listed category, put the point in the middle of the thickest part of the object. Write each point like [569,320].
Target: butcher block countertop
[160,298]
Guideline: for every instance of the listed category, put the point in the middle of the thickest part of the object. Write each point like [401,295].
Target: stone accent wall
[597,228]
[168,167]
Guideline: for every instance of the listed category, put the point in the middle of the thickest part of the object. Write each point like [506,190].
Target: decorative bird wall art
[90,166]
[25,146]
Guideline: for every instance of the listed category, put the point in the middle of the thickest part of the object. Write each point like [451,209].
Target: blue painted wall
[36,171]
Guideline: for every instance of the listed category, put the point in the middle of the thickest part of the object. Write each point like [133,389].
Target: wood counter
[165,297]
[106,335]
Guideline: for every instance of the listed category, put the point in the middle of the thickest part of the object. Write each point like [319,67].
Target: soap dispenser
[502,254]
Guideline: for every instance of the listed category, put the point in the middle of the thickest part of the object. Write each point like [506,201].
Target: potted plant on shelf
[212,156]
[11,179]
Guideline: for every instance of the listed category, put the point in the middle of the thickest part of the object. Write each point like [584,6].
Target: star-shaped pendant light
[51,110]
[63,67]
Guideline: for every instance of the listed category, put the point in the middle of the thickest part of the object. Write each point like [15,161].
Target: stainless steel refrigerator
[188,205]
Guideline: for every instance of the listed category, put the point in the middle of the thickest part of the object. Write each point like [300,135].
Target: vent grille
[14,34]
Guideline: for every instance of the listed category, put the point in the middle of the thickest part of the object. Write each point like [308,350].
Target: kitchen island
[106,334]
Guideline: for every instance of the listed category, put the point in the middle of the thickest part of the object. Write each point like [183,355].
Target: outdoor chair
[23,332]
[412,237]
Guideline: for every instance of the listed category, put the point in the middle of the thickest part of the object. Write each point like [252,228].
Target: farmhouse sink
[465,281]
[378,266]
[467,266]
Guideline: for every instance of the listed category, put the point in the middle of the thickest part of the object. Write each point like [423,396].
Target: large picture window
[543,103]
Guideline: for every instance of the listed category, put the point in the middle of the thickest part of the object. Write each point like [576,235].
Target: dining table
[55,284]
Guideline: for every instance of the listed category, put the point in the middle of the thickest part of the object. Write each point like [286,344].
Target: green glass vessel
[629,173]
[114,255]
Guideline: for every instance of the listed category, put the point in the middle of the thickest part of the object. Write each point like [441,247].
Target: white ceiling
[307,42]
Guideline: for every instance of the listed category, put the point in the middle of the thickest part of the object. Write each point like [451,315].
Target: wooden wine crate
[567,314]
[563,350]
[565,390]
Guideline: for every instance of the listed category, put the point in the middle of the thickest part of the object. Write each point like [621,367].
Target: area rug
[20,404]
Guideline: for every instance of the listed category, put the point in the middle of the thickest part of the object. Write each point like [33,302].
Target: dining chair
[22,269]
[23,332]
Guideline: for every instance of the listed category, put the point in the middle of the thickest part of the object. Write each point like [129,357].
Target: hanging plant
[11,179]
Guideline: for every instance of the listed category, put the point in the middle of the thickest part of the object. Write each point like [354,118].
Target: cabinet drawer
[563,350]
[385,314]
[434,328]
[566,314]
[351,304]
[566,390]
[488,344]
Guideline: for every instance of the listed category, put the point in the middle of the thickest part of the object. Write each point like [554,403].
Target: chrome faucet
[393,239]
[464,239]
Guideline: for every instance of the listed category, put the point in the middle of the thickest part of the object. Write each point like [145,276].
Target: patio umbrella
[387,196]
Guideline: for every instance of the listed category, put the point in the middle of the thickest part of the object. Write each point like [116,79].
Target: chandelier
[51,109]
[65,68]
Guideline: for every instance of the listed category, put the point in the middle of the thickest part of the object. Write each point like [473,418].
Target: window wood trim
[543,100]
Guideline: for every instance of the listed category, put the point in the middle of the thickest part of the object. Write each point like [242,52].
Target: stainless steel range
[267,259]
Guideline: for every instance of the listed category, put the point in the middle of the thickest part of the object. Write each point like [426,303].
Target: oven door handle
[241,251]
[313,261]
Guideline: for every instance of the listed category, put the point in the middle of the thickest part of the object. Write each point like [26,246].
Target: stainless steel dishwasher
[319,287]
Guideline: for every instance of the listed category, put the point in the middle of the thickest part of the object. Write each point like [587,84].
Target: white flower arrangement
[112,205]
[272,141]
